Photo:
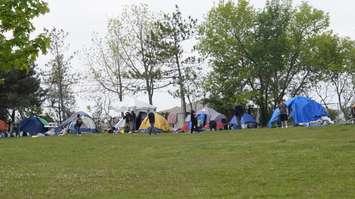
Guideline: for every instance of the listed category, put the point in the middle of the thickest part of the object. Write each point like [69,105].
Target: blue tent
[88,125]
[33,125]
[301,109]
[246,119]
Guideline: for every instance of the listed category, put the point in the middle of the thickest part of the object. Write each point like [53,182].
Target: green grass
[263,163]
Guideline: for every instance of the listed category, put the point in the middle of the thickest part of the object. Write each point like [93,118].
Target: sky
[81,18]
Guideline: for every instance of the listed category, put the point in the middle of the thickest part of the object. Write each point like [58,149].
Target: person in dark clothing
[127,118]
[353,113]
[213,125]
[78,124]
[133,121]
[283,113]
[151,118]
[225,124]
[193,121]
[239,111]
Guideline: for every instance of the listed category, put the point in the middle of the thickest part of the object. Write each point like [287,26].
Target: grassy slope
[264,163]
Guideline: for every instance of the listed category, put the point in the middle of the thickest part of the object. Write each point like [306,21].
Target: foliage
[106,60]
[21,93]
[18,48]
[175,30]
[265,54]
[59,79]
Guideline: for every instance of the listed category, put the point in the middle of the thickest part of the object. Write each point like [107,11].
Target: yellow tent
[160,123]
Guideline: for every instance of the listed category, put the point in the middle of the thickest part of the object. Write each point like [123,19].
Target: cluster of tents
[303,111]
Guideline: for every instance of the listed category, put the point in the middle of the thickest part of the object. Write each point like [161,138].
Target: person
[78,124]
[213,125]
[353,113]
[193,121]
[151,119]
[283,113]
[127,118]
[239,111]
[133,121]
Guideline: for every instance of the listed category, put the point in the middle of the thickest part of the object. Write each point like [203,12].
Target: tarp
[33,125]
[133,104]
[302,110]
[88,125]
[160,123]
[246,119]
[3,126]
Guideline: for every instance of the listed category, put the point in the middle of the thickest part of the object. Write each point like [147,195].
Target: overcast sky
[80,18]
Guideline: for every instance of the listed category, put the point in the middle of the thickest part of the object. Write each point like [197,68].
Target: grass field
[263,163]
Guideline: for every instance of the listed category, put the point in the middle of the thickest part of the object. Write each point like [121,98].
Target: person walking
[193,122]
[283,113]
[78,124]
[151,119]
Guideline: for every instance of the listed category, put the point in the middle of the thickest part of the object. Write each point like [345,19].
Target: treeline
[260,55]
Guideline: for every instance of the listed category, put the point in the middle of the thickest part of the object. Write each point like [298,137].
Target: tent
[302,110]
[4,127]
[247,121]
[33,125]
[88,125]
[204,116]
[160,123]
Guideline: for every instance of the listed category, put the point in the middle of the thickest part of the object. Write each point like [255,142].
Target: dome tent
[33,125]
[247,120]
[160,123]
[204,116]
[141,109]
[302,110]
[88,125]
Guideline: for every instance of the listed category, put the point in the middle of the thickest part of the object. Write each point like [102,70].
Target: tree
[336,57]
[59,79]
[176,30]
[20,93]
[262,55]
[18,48]
[142,52]
[106,60]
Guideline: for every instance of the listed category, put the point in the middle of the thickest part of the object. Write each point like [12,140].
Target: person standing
[193,121]
[133,121]
[127,119]
[151,119]
[283,113]
[78,124]
[239,111]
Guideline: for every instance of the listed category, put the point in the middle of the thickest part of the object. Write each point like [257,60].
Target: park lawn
[260,163]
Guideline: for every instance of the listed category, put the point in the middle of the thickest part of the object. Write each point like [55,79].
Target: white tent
[212,115]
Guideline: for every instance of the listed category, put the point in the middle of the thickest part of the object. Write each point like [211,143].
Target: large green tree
[20,94]
[261,55]
[18,49]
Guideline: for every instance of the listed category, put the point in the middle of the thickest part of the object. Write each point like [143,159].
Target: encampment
[247,121]
[88,125]
[204,116]
[160,123]
[141,109]
[33,125]
[302,110]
